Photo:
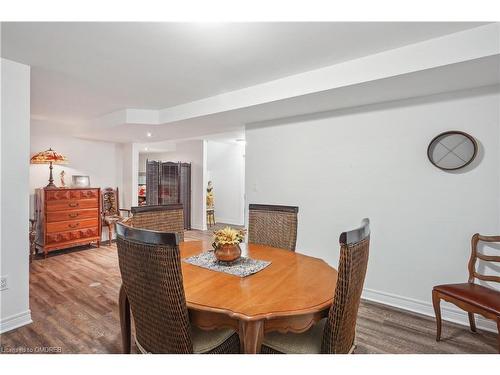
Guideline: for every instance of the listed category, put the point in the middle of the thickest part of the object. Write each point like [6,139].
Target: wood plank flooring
[74,295]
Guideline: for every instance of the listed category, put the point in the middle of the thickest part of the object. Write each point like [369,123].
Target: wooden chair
[471,297]
[152,288]
[273,225]
[111,211]
[334,334]
[162,218]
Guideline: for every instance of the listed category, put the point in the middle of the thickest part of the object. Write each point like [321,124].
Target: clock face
[452,150]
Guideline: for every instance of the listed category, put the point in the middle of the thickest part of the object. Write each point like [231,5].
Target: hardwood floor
[74,295]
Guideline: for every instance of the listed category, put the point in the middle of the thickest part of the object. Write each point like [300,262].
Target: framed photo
[80,181]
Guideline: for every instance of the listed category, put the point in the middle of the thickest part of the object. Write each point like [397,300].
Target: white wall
[194,152]
[15,140]
[372,162]
[102,161]
[226,169]
[130,174]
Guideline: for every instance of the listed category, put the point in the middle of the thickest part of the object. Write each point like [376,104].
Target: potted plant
[226,244]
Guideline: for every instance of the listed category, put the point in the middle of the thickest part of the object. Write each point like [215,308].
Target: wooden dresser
[67,218]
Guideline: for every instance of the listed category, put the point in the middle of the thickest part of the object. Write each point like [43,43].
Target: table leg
[251,334]
[124,307]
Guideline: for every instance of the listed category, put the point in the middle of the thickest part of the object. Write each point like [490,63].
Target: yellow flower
[228,236]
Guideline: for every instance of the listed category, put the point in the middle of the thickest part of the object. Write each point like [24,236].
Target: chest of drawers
[67,218]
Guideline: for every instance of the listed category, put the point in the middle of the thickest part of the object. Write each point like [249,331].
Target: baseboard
[15,321]
[197,227]
[228,221]
[448,311]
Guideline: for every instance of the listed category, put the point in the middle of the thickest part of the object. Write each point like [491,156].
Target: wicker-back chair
[334,334]
[273,225]
[152,286]
[162,218]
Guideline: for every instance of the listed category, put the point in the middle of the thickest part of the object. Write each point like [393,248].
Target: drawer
[61,226]
[72,204]
[90,213]
[84,194]
[74,235]
[62,195]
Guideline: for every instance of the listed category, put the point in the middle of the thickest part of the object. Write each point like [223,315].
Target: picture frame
[80,181]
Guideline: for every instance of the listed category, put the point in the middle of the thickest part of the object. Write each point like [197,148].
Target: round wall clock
[452,150]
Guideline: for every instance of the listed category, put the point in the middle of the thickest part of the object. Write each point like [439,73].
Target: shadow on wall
[415,101]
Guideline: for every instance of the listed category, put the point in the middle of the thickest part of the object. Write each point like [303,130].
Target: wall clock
[452,150]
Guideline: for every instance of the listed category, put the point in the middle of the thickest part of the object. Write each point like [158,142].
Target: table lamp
[49,157]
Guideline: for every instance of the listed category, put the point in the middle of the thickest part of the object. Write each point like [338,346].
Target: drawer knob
[74,204]
[73,215]
[73,225]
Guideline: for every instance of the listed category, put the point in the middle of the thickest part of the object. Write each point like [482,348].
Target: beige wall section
[14,181]
[371,162]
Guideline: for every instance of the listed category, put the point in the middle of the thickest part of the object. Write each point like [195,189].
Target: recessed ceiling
[83,70]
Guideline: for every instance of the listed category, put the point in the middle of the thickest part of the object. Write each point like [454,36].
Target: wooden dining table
[289,295]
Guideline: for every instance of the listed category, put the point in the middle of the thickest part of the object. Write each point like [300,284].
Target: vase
[227,253]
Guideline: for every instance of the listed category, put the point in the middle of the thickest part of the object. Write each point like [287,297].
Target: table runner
[241,267]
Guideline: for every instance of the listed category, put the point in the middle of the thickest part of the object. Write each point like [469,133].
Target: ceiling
[81,71]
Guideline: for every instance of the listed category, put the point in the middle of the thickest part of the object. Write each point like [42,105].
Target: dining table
[290,295]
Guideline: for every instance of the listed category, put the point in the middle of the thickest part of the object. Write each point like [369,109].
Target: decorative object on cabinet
[111,211]
[49,157]
[67,218]
[452,150]
[471,297]
[80,181]
[32,239]
[61,175]
[169,183]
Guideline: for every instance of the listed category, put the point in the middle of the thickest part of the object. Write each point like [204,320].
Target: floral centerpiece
[226,243]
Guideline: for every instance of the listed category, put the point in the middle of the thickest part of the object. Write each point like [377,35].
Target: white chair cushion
[308,342]
[203,341]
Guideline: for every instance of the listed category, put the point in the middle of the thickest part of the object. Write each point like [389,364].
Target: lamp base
[51,184]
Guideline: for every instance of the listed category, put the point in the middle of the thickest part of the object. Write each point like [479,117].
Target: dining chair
[273,225]
[111,211]
[163,218]
[336,333]
[152,288]
[472,297]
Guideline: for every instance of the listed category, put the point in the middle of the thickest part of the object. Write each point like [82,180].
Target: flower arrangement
[228,236]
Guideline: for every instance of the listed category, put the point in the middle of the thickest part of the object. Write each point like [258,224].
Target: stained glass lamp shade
[49,157]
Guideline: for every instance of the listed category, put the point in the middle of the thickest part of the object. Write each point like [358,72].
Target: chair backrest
[110,203]
[487,258]
[151,273]
[273,225]
[162,218]
[340,327]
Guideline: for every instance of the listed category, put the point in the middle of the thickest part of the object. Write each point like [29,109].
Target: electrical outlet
[3,283]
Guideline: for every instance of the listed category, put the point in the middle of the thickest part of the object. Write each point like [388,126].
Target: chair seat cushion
[308,342]
[478,295]
[219,341]
[112,219]
[207,341]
